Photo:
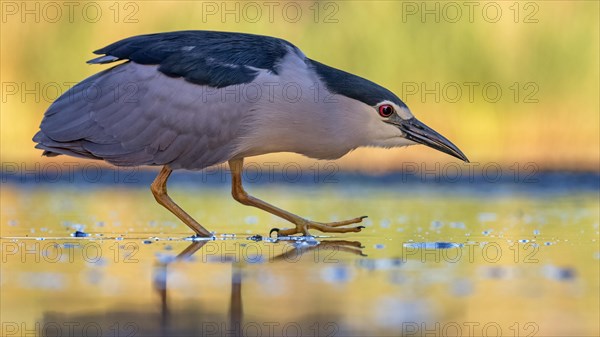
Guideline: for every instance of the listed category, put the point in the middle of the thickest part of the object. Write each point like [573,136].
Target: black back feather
[216,59]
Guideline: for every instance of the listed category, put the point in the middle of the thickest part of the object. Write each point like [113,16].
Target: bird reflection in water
[298,247]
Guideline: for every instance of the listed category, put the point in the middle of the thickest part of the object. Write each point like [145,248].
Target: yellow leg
[159,189]
[302,225]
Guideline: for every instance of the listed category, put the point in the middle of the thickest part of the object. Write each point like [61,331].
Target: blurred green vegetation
[550,49]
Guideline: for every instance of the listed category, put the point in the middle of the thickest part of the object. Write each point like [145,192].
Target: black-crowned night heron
[193,99]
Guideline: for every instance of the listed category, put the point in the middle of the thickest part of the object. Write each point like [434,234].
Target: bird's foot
[303,225]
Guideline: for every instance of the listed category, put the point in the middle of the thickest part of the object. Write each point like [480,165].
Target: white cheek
[389,131]
[404,113]
[388,135]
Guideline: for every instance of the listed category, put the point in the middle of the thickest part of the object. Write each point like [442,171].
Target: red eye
[386,110]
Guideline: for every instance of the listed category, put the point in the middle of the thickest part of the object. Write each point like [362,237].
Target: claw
[363,217]
[274,230]
[361,227]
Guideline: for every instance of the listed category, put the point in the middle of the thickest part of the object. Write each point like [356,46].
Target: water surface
[451,259]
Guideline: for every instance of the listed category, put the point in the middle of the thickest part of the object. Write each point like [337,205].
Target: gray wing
[157,108]
[134,115]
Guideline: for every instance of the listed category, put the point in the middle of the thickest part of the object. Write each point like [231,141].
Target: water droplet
[559,273]
[251,220]
[79,234]
[255,238]
[460,225]
[336,274]
[436,225]
[228,235]
[485,217]
[432,245]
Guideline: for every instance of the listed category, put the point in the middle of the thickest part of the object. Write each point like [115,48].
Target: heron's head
[392,124]
[382,119]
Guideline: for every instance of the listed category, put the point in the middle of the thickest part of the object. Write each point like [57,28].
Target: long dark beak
[421,133]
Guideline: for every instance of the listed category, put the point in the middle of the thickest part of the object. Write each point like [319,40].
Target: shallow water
[460,259]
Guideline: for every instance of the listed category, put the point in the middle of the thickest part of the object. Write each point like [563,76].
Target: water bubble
[79,234]
[486,217]
[462,287]
[495,272]
[251,220]
[436,225]
[460,225]
[99,262]
[432,245]
[41,280]
[336,274]
[379,264]
[78,227]
[228,235]
[559,273]
[536,232]
[402,219]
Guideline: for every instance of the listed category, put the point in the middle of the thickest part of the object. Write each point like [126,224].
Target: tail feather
[52,148]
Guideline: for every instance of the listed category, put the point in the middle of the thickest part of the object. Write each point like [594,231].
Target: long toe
[345,222]
[325,228]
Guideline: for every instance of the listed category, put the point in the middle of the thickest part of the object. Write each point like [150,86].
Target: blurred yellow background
[505,81]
